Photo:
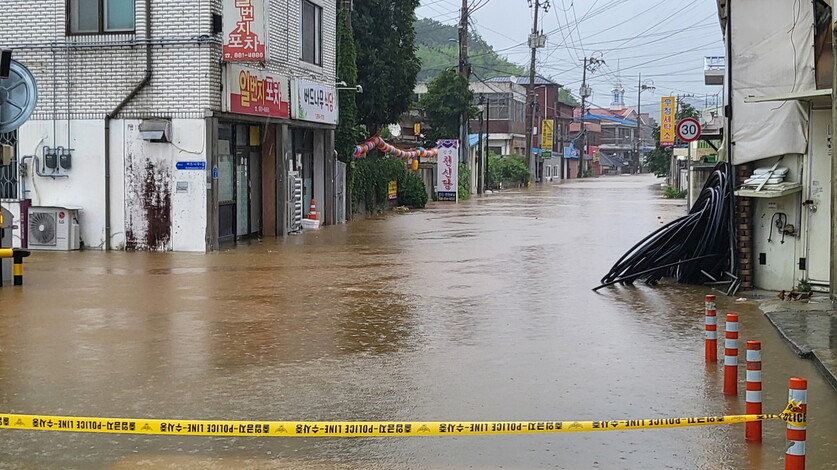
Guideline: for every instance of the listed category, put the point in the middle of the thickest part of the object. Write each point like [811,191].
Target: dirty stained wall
[165,207]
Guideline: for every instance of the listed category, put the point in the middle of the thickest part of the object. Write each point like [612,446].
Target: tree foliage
[565,96]
[509,171]
[685,110]
[347,133]
[438,50]
[658,161]
[386,59]
[447,97]
[370,182]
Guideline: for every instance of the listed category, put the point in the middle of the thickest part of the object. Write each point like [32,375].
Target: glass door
[242,193]
[255,170]
[226,184]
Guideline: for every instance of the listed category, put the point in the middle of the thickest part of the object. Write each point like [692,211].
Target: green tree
[658,161]
[447,97]
[565,96]
[509,171]
[347,132]
[685,110]
[438,51]
[386,59]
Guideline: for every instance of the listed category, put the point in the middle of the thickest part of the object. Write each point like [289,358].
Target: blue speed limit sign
[688,129]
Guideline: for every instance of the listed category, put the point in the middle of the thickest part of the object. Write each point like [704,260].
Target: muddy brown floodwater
[481,310]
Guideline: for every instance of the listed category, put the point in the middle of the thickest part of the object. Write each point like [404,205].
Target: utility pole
[535,41]
[584,91]
[635,159]
[480,150]
[465,72]
[589,63]
[635,165]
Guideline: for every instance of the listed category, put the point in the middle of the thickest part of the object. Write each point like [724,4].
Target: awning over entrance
[817,97]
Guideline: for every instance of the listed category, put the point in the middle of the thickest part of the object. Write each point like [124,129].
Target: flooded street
[481,310]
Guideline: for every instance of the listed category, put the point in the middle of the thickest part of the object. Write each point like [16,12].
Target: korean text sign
[244,31]
[447,178]
[313,101]
[667,115]
[257,92]
[546,134]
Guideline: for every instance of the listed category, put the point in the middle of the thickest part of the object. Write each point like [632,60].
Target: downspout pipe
[832,268]
[142,84]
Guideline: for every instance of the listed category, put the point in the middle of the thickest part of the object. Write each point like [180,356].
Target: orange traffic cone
[312,214]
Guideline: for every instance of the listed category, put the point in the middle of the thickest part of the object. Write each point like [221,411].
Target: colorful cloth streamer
[388,149]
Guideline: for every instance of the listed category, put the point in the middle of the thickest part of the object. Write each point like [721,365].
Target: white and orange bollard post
[731,355]
[711,330]
[796,432]
[752,398]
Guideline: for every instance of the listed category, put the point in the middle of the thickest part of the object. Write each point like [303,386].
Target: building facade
[184,123]
[778,78]
[504,113]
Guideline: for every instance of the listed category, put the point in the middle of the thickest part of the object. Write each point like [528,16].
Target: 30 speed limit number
[688,129]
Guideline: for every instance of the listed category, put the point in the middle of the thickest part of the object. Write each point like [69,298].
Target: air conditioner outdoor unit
[53,228]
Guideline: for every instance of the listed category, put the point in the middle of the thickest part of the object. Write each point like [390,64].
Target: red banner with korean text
[244,32]
[257,92]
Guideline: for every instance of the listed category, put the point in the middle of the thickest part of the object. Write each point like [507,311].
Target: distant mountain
[438,50]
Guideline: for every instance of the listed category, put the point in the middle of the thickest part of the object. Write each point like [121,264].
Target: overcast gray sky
[664,40]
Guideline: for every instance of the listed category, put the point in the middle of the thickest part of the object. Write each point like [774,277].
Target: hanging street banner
[668,109]
[547,127]
[313,101]
[256,92]
[447,177]
[244,31]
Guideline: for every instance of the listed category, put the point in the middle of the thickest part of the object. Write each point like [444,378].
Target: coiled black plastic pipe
[694,249]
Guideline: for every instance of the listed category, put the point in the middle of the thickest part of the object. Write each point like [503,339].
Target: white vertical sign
[447,178]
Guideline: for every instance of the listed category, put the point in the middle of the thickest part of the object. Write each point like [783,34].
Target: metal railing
[9,173]
[714,63]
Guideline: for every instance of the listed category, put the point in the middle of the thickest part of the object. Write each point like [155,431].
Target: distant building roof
[611,161]
[610,118]
[620,113]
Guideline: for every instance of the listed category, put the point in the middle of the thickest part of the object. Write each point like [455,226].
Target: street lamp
[640,88]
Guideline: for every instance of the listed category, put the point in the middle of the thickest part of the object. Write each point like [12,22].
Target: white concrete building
[175,124]
[778,79]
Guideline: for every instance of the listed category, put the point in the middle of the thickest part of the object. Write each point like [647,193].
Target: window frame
[101,13]
[318,33]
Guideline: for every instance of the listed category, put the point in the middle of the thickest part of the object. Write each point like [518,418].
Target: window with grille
[9,173]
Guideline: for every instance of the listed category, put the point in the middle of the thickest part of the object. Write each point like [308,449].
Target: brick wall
[285,45]
[86,77]
[744,229]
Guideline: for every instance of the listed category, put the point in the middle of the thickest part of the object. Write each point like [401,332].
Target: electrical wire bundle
[694,249]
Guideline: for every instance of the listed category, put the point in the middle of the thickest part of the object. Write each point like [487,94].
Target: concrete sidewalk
[809,327]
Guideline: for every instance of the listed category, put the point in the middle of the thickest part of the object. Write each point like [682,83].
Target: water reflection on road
[476,311]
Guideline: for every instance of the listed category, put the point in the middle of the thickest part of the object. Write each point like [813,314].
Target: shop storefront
[314,113]
[273,156]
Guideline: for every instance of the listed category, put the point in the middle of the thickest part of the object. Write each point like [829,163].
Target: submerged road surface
[477,311]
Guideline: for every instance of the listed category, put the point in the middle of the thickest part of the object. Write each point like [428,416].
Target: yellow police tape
[359,428]
[793,415]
